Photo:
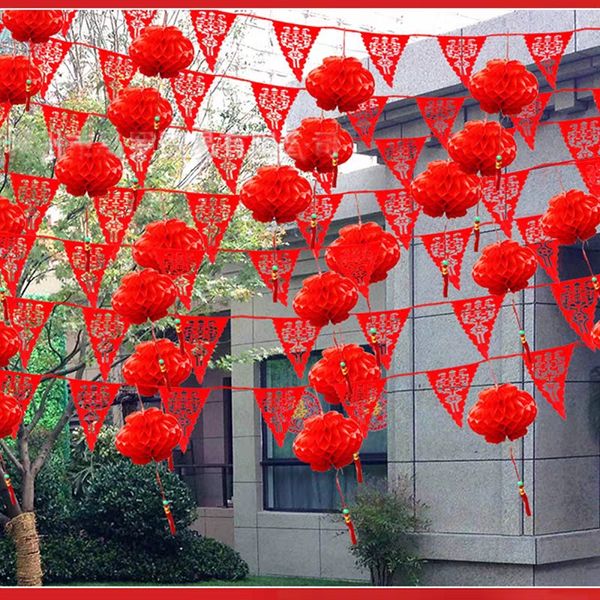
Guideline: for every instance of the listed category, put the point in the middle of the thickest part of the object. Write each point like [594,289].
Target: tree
[179,163]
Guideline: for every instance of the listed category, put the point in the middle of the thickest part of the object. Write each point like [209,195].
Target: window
[290,485]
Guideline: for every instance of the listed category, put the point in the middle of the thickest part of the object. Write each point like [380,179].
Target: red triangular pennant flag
[201,335]
[461,53]
[185,404]
[117,71]
[548,369]
[324,206]
[189,89]
[295,42]
[212,214]
[277,406]
[596,94]
[14,257]
[138,20]
[325,180]
[276,279]
[297,339]
[106,330]
[68,16]
[590,173]
[211,27]
[182,266]
[355,261]
[546,250]
[88,262]
[527,121]
[385,52]
[400,212]
[501,200]
[274,103]
[64,126]
[440,114]
[382,330]
[547,49]
[477,317]
[577,300]
[401,155]
[28,317]
[308,407]
[582,137]
[34,195]
[21,386]
[362,400]
[92,400]
[452,386]
[139,151]
[449,246]
[47,58]
[115,211]
[364,119]
[228,153]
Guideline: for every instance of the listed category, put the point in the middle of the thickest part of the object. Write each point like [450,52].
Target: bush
[385,521]
[187,558]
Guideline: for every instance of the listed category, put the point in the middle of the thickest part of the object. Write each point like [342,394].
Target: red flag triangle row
[14,251]
[440,115]
[48,57]
[117,71]
[211,27]
[64,126]
[190,89]
[385,51]
[297,338]
[274,103]
[547,50]
[295,42]
[228,153]
[323,209]
[461,52]
[400,211]
[115,211]
[34,195]
[277,406]
[364,119]
[275,268]
[21,386]
[546,250]
[401,155]
[528,120]
[137,20]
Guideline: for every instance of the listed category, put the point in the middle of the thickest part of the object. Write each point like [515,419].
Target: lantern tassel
[525,345]
[498,170]
[170,463]
[358,467]
[6,161]
[521,485]
[179,331]
[313,232]
[375,345]
[28,103]
[334,162]
[4,305]
[275,280]
[349,525]
[477,234]
[169,516]
[445,277]
[10,488]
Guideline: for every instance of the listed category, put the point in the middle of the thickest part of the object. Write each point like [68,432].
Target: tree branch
[39,413]
[11,456]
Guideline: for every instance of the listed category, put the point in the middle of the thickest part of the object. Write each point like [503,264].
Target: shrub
[187,558]
[385,522]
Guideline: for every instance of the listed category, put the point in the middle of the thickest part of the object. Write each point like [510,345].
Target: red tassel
[445,277]
[28,103]
[169,515]
[6,161]
[275,279]
[358,467]
[313,231]
[87,255]
[179,332]
[170,463]
[4,304]
[349,525]
[11,490]
[137,194]
[525,345]
[498,170]
[477,234]
[524,498]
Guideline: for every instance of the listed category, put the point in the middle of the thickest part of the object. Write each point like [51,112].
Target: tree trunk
[24,534]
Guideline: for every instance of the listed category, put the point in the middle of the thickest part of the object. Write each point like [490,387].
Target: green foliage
[76,557]
[385,522]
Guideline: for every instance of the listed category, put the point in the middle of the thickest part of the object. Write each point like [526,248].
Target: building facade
[281,520]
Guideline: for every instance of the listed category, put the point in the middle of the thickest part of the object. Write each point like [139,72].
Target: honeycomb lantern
[340,83]
[502,412]
[162,51]
[11,415]
[35,26]
[277,193]
[20,80]
[10,343]
[88,168]
[445,189]
[148,435]
[483,147]
[504,86]
[144,296]
[155,364]
[12,218]
[325,298]
[504,267]
[571,216]
[340,369]
[140,110]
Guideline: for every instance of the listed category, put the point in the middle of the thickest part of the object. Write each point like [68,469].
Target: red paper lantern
[383,245]
[276,192]
[12,218]
[340,82]
[328,441]
[36,26]
[318,145]
[148,435]
[88,168]
[341,368]
[482,146]
[504,86]
[159,236]
[325,298]
[571,216]
[11,415]
[155,364]
[140,110]
[445,189]
[144,295]
[10,343]
[501,412]
[20,80]
[504,266]
[163,51]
